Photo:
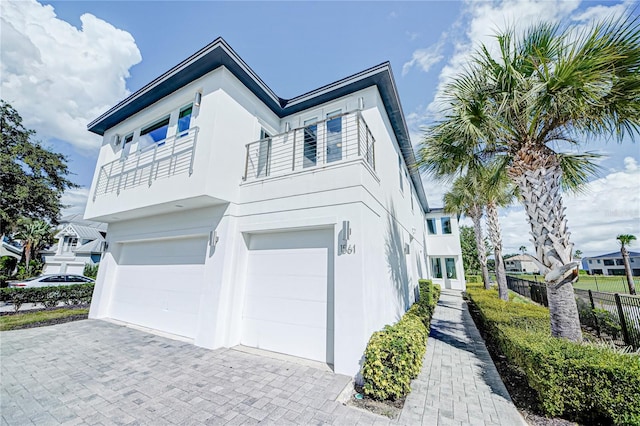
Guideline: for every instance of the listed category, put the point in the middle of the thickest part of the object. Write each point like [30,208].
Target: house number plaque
[347,248]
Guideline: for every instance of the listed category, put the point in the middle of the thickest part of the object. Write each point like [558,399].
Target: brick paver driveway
[95,372]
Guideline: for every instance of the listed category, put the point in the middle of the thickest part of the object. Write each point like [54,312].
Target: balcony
[335,140]
[171,156]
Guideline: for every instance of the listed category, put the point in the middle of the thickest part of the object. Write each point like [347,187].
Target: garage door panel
[286,293]
[278,337]
[187,278]
[302,312]
[298,287]
[278,262]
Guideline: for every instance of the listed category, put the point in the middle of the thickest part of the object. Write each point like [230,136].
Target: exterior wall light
[287,127]
[213,239]
[197,99]
[346,230]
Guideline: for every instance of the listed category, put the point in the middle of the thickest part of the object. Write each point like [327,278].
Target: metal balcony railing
[168,157]
[338,138]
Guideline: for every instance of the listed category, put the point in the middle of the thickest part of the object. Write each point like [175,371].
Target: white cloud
[609,206]
[76,201]
[424,58]
[59,77]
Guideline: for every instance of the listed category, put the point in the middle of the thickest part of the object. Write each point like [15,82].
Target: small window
[155,133]
[412,202]
[450,265]
[126,146]
[310,144]
[400,173]
[631,260]
[590,261]
[431,226]
[446,225]
[598,260]
[184,119]
[619,262]
[608,262]
[436,267]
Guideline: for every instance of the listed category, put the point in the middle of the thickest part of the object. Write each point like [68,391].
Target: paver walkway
[459,383]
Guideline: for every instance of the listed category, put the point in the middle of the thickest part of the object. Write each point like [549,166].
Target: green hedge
[393,356]
[48,296]
[473,279]
[582,382]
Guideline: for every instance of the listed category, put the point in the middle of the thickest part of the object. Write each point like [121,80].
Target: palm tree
[463,198]
[34,235]
[540,92]
[626,240]
[577,254]
[522,249]
[498,192]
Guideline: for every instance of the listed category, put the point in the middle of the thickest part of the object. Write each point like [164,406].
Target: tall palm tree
[34,234]
[539,93]
[464,198]
[498,192]
[626,240]
[522,249]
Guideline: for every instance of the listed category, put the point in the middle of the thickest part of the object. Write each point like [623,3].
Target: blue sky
[65,62]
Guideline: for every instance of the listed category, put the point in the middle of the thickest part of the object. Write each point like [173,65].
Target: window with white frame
[184,119]
[154,133]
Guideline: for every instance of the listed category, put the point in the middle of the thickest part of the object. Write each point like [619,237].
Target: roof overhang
[218,53]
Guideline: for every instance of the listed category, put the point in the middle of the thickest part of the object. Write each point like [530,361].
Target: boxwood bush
[77,294]
[393,356]
[586,383]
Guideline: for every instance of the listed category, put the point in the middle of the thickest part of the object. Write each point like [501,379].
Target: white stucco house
[236,217]
[79,243]
[522,263]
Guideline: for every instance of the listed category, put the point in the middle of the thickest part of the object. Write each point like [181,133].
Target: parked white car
[51,280]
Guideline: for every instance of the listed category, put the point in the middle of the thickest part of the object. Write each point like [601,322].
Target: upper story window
[446,225]
[184,118]
[431,226]
[598,260]
[156,132]
[334,136]
[619,262]
[590,261]
[126,146]
[608,262]
[412,201]
[310,148]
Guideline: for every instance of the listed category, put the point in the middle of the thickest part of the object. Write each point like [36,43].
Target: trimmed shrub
[582,382]
[393,356]
[48,296]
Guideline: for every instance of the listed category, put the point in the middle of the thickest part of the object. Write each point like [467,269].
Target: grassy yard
[593,282]
[21,320]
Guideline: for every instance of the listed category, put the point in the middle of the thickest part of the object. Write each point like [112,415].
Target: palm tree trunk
[493,224]
[27,256]
[482,255]
[627,270]
[537,174]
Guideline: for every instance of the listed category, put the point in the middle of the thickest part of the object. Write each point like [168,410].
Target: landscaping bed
[42,317]
[393,357]
[553,377]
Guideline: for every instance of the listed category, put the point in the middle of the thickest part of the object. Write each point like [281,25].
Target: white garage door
[159,283]
[289,294]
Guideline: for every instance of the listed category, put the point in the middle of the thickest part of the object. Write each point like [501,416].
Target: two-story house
[611,264]
[78,243]
[238,217]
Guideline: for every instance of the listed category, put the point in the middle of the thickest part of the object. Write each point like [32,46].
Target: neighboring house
[444,250]
[79,242]
[238,217]
[10,248]
[611,264]
[522,263]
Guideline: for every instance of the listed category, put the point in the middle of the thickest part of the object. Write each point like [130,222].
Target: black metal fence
[613,316]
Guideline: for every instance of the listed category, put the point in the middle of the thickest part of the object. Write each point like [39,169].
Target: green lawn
[594,282]
[10,322]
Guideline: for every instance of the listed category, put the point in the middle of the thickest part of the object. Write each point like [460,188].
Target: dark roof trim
[614,255]
[218,53]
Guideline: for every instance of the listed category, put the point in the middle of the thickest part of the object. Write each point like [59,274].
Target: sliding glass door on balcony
[316,143]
